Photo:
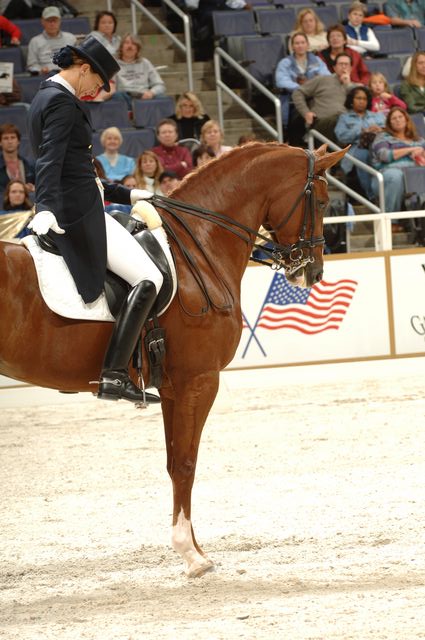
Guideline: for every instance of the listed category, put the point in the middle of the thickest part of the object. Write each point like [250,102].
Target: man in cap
[42,47]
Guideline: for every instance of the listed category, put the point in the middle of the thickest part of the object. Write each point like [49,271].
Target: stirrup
[119,386]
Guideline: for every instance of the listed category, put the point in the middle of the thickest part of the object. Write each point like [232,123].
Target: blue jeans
[365,178]
[393,188]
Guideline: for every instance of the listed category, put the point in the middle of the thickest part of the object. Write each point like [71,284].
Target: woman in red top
[337,39]
[14,32]
[173,156]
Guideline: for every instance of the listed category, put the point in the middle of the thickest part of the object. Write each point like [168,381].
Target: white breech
[126,258]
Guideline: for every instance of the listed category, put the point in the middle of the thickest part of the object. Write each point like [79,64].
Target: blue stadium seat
[232,23]
[113,113]
[147,113]
[135,141]
[25,149]
[396,41]
[29,28]
[390,67]
[13,54]
[263,53]
[29,86]
[418,121]
[414,179]
[420,38]
[277,21]
[15,115]
[79,25]
[328,15]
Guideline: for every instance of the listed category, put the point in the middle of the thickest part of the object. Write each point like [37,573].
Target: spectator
[115,164]
[137,77]
[14,97]
[202,155]
[10,34]
[397,146]
[168,181]
[248,137]
[105,25]
[12,165]
[406,13]
[319,101]
[293,70]
[190,116]
[337,39]
[212,136]
[42,47]
[309,23]
[173,156]
[360,37]
[412,90]
[148,170]
[16,199]
[382,98]
[357,127]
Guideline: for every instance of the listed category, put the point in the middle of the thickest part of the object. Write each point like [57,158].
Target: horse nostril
[319,276]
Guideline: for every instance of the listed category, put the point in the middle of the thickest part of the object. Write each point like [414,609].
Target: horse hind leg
[183,434]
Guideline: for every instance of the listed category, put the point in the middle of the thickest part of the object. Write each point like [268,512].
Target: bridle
[291,257]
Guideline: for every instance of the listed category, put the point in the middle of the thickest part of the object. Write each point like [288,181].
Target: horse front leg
[194,399]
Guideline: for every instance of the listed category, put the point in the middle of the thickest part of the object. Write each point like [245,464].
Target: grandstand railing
[185,47]
[221,55]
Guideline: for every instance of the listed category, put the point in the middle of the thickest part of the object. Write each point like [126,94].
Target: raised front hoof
[198,569]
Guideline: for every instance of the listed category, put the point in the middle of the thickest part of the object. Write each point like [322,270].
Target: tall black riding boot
[115,382]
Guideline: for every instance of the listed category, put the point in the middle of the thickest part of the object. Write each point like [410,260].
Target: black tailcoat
[65,184]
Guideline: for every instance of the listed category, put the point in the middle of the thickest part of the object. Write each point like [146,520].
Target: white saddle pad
[58,288]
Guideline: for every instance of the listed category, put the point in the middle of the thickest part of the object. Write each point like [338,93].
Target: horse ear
[326,160]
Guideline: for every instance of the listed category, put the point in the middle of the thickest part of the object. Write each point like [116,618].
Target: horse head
[295,214]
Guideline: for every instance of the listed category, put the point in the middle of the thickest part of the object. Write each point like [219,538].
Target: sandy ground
[309,498]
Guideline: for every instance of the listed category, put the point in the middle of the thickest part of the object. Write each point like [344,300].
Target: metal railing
[219,55]
[185,47]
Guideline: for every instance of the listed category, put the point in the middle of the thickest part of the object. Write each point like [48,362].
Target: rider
[69,206]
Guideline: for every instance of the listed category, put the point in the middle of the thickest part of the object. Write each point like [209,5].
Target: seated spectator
[115,164]
[168,181]
[12,165]
[405,13]
[397,146]
[137,77]
[190,116]
[202,155]
[360,37]
[10,34]
[148,170]
[412,90]
[248,137]
[308,23]
[16,200]
[14,97]
[382,98]
[319,101]
[337,39]
[173,156]
[357,127]
[293,70]
[212,136]
[105,25]
[42,47]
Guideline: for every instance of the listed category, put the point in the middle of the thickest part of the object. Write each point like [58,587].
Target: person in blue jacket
[293,70]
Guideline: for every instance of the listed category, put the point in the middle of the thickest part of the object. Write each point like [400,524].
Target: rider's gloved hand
[43,221]
[140,194]
[147,213]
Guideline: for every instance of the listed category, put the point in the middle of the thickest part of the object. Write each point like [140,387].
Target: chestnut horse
[267,184]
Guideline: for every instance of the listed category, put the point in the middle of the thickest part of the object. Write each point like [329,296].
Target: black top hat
[99,58]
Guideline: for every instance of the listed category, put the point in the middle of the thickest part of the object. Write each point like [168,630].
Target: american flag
[309,311]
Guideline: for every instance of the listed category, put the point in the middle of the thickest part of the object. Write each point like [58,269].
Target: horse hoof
[196,570]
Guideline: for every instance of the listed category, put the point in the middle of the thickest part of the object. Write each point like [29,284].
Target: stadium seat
[147,113]
[13,54]
[113,113]
[79,25]
[418,121]
[420,38]
[231,23]
[263,53]
[29,28]
[396,41]
[135,141]
[277,21]
[29,86]
[414,179]
[329,15]
[390,67]
[25,149]
[15,115]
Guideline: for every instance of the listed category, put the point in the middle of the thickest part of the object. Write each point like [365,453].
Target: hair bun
[63,58]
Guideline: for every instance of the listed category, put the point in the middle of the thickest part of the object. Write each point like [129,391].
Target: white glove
[147,213]
[140,194]
[43,221]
